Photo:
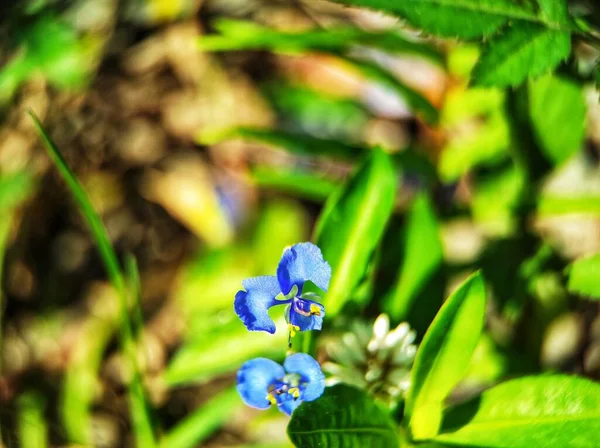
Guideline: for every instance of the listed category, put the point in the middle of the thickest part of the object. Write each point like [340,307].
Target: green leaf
[555,11]
[33,426]
[241,35]
[52,46]
[223,349]
[584,277]
[316,113]
[300,144]
[523,50]
[422,257]
[557,111]
[486,146]
[415,99]
[342,417]
[495,198]
[298,183]
[14,188]
[202,422]
[549,411]
[551,204]
[351,225]
[456,18]
[250,36]
[444,356]
[475,118]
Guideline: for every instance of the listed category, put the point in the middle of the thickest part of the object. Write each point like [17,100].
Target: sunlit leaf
[532,411]
[444,356]
[486,146]
[33,426]
[557,110]
[422,256]
[351,225]
[342,417]
[561,204]
[584,277]
[522,50]
[463,18]
[14,188]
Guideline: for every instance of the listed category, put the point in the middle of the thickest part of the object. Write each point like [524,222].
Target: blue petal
[252,305]
[301,263]
[254,379]
[287,407]
[297,316]
[310,370]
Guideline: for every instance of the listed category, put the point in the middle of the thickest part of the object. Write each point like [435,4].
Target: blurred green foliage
[462,139]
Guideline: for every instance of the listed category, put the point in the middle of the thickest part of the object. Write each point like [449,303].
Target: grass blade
[138,406]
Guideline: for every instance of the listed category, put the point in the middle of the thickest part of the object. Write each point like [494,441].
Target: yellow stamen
[293,329]
[314,309]
[294,391]
[271,399]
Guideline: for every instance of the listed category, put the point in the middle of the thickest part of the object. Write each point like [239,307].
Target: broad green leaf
[554,11]
[456,18]
[584,277]
[523,50]
[351,225]
[444,356]
[298,183]
[415,99]
[557,111]
[543,411]
[296,143]
[422,257]
[193,429]
[223,349]
[342,417]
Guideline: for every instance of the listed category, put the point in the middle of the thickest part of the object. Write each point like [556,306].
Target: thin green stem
[4,227]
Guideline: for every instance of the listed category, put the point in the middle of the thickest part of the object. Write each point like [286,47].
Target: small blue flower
[299,264]
[262,382]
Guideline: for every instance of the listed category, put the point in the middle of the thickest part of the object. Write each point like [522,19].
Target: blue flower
[300,263]
[262,382]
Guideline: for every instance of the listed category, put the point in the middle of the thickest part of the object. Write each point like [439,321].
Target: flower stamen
[293,329]
[295,392]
